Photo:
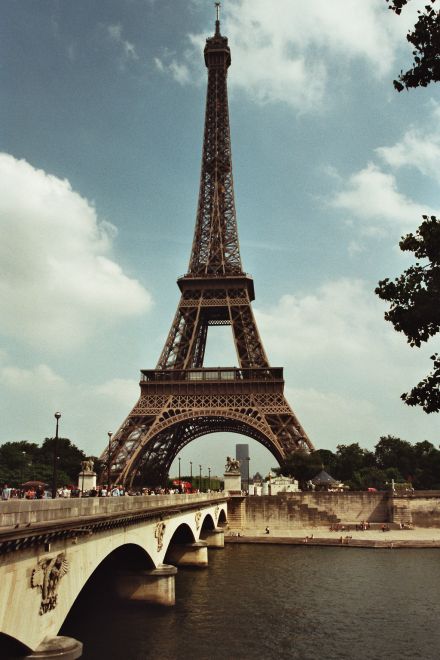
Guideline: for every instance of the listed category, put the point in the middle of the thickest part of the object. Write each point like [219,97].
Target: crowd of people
[39,492]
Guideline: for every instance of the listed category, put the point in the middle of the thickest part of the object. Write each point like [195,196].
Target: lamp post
[200,478]
[248,474]
[22,468]
[209,479]
[109,464]
[55,452]
[180,483]
[191,473]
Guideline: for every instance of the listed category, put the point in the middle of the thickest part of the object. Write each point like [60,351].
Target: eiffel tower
[181,400]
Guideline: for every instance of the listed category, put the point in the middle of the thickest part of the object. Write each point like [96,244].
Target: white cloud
[178,70]
[128,49]
[323,324]
[344,366]
[120,391]
[340,417]
[290,53]
[57,280]
[338,335]
[418,148]
[18,378]
[372,197]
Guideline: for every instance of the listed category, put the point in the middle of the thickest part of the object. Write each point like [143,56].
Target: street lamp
[22,468]
[55,452]
[180,483]
[209,479]
[248,474]
[109,464]
[191,473]
[200,478]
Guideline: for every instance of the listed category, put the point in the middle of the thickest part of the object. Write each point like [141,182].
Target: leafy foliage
[302,465]
[425,39]
[24,461]
[415,305]
[351,458]
[358,468]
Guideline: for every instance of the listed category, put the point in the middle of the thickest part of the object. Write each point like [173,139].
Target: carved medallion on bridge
[46,577]
[159,534]
[198,518]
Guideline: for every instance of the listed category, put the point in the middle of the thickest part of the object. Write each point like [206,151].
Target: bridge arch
[11,647]
[183,534]
[208,523]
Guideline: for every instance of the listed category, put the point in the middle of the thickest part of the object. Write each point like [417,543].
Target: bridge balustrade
[22,512]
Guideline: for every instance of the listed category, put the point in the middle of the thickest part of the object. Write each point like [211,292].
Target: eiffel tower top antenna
[217,10]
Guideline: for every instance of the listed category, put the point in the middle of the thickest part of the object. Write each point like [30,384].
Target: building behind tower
[242,454]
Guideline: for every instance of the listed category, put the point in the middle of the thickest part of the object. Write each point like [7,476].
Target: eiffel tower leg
[248,344]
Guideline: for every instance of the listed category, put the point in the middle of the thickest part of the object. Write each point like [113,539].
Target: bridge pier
[57,648]
[154,586]
[189,554]
[214,538]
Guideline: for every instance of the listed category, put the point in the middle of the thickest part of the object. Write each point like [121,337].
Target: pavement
[417,537]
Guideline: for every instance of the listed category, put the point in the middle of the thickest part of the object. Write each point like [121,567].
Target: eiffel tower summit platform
[180,399]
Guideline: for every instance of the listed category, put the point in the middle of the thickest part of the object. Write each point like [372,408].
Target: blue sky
[101,123]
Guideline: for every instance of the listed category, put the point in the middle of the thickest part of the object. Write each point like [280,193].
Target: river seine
[276,602]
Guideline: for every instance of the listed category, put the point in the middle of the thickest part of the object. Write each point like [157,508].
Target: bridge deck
[38,522]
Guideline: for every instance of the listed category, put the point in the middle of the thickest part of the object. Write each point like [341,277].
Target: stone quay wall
[309,509]
[322,509]
[422,508]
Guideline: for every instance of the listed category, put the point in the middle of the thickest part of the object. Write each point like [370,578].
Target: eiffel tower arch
[180,399]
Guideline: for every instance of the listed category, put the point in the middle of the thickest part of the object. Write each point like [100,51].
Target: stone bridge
[50,548]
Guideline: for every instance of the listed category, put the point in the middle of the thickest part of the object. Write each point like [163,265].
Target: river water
[276,602]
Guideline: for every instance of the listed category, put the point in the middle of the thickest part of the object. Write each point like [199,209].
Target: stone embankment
[334,519]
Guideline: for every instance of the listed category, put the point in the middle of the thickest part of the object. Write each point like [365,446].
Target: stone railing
[22,512]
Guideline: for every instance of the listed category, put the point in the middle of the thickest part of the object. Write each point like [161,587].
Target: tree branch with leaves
[415,305]
[425,38]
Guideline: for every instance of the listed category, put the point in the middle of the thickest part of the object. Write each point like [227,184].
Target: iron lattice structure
[181,400]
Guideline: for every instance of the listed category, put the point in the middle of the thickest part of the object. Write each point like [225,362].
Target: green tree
[329,460]
[18,462]
[415,305]
[300,465]
[425,38]
[69,459]
[427,472]
[368,477]
[392,452]
[350,459]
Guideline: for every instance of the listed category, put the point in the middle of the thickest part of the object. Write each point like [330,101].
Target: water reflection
[276,601]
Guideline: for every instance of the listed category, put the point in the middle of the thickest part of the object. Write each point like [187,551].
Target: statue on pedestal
[87,477]
[87,465]
[232,464]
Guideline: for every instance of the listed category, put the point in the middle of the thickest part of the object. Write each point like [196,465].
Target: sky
[101,126]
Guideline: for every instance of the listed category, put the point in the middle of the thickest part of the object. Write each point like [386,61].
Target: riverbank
[394,538]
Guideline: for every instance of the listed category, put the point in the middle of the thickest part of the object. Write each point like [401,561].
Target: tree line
[24,461]
[392,459]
